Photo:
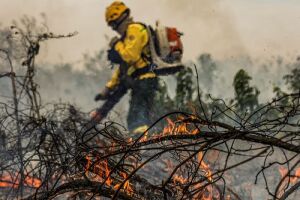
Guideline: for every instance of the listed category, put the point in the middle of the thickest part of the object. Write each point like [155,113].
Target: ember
[9,181]
[98,170]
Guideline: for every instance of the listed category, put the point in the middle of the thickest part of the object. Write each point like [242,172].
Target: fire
[144,138]
[127,188]
[204,166]
[289,179]
[103,171]
[32,182]
[169,128]
[88,165]
[178,127]
[179,179]
[182,127]
[172,128]
[12,181]
[292,178]
[8,181]
[100,169]
[207,194]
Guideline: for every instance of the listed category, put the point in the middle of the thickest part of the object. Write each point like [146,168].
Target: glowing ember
[207,193]
[195,131]
[101,172]
[144,138]
[9,181]
[179,179]
[169,128]
[204,166]
[178,127]
[289,179]
[127,188]
[32,182]
[100,169]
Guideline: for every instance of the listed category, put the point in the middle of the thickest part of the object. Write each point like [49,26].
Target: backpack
[166,49]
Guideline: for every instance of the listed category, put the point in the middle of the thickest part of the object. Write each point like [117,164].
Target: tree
[24,41]
[293,79]
[246,96]
[184,89]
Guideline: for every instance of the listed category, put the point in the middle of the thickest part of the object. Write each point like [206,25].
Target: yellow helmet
[115,11]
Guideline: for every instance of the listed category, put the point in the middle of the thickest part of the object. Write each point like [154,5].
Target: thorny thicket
[50,151]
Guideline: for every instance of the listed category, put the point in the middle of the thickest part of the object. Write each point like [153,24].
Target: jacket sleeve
[114,81]
[130,49]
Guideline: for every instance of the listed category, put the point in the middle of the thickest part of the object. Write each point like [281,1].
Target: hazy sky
[225,28]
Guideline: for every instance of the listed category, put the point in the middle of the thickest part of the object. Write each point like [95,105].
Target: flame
[12,181]
[169,128]
[182,127]
[289,179]
[172,128]
[292,178]
[203,193]
[88,165]
[204,166]
[179,179]
[178,127]
[144,138]
[127,188]
[32,182]
[8,181]
[103,171]
[207,194]
[100,169]
[195,131]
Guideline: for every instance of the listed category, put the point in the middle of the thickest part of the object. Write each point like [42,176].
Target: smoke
[208,26]
[225,29]
[228,30]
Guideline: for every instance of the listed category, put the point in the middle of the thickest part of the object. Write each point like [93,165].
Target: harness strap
[141,71]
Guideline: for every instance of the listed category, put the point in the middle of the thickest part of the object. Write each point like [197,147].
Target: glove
[114,56]
[102,95]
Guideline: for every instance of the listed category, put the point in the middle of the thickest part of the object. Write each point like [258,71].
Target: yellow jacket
[130,49]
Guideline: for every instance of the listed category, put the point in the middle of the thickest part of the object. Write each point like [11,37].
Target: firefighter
[131,52]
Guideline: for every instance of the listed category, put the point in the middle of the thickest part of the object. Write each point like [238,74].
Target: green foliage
[163,102]
[279,94]
[184,89]
[246,96]
[293,79]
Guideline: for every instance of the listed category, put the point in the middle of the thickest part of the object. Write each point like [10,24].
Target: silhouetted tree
[185,88]
[246,96]
[293,79]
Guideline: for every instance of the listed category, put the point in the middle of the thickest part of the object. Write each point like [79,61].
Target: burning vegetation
[54,151]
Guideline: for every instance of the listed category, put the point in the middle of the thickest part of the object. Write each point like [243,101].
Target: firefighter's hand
[95,116]
[102,95]
[114,57]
